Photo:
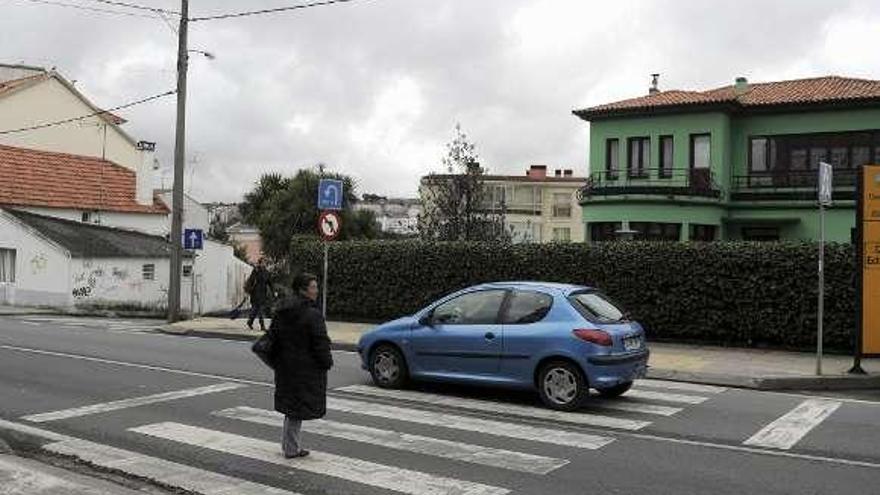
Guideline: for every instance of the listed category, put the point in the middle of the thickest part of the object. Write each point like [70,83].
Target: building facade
[394,216]
[538,207]
[738,162]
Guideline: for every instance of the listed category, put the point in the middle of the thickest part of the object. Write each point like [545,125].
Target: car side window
[527,307]
[473,308]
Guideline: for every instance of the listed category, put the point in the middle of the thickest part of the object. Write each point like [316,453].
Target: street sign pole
[825,197]
[324,292]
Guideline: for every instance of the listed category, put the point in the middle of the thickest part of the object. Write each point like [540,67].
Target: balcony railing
[791,179]
[799,185]
[693,182]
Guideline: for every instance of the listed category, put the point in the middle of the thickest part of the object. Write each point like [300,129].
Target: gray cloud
[373,88]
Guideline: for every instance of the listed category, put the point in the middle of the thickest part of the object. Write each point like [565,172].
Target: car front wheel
[388,368]
[562,386]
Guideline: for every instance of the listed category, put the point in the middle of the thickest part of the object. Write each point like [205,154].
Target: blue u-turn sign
[330,194]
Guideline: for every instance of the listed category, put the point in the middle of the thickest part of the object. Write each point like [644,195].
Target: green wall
[657,212]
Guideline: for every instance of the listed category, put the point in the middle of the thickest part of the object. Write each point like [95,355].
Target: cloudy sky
[373,88]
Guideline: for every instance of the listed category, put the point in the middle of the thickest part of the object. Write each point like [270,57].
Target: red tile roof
[59,180]
[819,90]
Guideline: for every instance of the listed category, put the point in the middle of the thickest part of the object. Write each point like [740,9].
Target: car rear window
[596,307]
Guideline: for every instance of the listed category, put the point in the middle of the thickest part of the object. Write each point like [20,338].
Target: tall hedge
[735,293]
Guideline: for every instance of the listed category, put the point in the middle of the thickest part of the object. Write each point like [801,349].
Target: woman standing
[302,362]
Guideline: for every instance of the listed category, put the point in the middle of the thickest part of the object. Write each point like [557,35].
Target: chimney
[568,172]
[558,173]
[655,84]
[741,87]
[537,172]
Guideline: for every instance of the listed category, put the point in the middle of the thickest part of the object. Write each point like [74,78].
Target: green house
[738,162]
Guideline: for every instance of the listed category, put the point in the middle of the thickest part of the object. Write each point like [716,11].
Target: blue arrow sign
[330,194]
[192,238]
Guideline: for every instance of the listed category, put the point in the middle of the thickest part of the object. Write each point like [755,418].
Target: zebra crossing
[546,441]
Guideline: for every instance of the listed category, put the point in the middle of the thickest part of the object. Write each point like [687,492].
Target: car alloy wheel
[562,386]
[388,367]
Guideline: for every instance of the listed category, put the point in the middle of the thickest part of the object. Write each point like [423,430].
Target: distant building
[394,216]
[248,237]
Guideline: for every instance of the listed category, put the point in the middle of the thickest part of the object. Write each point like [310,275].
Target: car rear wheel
[615,391]
[562,386]
[388,367]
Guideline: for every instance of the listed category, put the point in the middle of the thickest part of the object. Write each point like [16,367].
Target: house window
[187,270]
[761,234]
[656,231]
[561,205]
[604,231]
[701,151]
[666,156]
[802,152]
[7,266]
[90,217]
[702,233]
[612,158]
[561,234]
[149,271]
[639,158]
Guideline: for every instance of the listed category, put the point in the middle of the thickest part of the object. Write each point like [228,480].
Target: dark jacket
[302,360]
[259,285]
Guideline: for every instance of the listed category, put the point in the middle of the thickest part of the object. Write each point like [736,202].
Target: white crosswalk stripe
[476,454]
[165,472]
[467,423]
[622,404]
[581,418]
[789,429]
[346,468]
[666,397]
[684,386]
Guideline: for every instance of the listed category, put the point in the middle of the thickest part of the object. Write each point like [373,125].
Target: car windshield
[596,307]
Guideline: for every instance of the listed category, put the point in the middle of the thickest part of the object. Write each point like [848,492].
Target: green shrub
[733,293]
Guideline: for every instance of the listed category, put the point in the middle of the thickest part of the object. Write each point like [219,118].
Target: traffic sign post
[329,226]
[330,194]
[825,196]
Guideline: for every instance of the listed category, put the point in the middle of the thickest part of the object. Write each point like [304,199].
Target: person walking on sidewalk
[302,361]
[259,287]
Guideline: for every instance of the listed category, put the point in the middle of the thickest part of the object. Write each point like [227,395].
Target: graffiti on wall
[39,263]
[97,281]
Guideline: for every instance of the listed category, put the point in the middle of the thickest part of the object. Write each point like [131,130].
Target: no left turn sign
[329,225]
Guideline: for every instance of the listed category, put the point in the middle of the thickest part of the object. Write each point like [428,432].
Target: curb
[770,382]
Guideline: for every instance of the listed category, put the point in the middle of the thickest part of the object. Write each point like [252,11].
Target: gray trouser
[290,436]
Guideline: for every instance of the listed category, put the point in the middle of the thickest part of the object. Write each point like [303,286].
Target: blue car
[560,340]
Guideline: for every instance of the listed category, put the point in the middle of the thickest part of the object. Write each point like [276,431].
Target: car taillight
[597,337]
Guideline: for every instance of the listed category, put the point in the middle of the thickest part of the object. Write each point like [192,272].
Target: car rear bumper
[616,369]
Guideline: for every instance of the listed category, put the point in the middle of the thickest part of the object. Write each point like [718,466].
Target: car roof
[547,286]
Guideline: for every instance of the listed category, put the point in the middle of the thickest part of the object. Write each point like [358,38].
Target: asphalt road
[206,404]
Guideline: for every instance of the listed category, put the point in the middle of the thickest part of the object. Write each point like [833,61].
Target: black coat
[302,360]
[260,284]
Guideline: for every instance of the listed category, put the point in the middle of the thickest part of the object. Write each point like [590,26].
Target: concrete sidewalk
[21,476]
[734,367]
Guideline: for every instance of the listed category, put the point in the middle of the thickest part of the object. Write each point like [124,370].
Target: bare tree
[457,206]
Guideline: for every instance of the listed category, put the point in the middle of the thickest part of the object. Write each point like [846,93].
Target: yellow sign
[871,260]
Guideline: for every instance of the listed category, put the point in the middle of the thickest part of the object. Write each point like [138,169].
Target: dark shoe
[250,325]
[301,453]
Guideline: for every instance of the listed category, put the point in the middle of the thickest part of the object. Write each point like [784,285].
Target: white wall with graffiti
[123,283]
[37,271]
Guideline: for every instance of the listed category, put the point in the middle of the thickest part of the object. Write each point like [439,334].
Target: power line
[269,11]
[90,9]
[137,7]
[93,114]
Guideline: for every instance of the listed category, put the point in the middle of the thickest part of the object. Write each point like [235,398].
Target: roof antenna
[655,82]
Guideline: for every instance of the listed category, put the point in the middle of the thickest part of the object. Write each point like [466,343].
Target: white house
[33,96]
[397,216]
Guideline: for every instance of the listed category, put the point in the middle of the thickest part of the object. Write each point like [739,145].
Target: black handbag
[266,347]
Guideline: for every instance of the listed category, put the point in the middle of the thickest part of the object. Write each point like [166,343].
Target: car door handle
[490,336]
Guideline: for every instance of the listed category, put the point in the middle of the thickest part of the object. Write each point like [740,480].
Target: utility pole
[179,158]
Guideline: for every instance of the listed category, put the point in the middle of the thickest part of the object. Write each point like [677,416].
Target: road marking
[621,404]
[666,397]
[789,429]
[498,407]
[476,454]
[689,387]
[162,471]
[347,468]
[466,423]
[129,403]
